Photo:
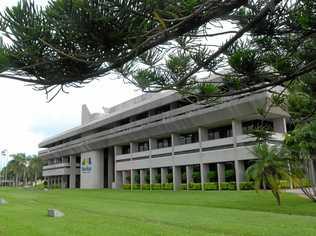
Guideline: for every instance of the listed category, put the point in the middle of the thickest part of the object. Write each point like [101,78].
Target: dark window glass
[221,132]
[126,149]
[189,138]
[144,146]
[164,142]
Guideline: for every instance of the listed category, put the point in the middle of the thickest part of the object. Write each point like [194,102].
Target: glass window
[126,149]
[144,146]
[189,138]
[221,132]
[164,142]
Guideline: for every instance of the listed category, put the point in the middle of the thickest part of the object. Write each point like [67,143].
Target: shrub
[250,185]
[183,186]
[136,186]
[128,178]
[305,183]
[156,186]
[55,186]
[212,176]
[211,186]
[195,186]
[167,186]
[40,186]
[228,186]
[146,187]
[196,176]
[284,184]
[126,186]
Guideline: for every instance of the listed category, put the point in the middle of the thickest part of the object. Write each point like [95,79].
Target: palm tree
[268,169]
[18,166]
[35,168]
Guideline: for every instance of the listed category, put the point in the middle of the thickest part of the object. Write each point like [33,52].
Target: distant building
[159,137]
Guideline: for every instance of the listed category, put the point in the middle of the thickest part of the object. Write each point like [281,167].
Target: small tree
[269,169]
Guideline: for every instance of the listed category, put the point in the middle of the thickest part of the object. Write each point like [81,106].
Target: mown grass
[106,212]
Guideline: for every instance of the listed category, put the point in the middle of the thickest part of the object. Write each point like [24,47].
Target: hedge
[167,186]
[228,186]
[195,186]
[284,184]
[211,186]
[127,186]
[247,185]
[156,186]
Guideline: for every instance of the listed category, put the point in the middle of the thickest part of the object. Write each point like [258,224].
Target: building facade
[160,138]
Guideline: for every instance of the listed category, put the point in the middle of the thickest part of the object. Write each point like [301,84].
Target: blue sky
[26,118]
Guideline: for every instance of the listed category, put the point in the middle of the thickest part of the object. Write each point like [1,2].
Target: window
[248,126]
[144,146]
[161,109]
[189,138]
[164,142]
[221,132]
[126,149]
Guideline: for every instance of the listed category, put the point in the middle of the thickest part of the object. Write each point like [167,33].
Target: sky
[26,118]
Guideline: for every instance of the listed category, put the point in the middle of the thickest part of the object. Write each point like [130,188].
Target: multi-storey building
[159,135]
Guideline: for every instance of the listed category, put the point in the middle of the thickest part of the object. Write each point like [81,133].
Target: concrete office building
[159,135]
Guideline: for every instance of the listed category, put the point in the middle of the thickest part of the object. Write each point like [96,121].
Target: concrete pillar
[153,175]
[118,179]
[176,174]
[92,170]
[189,172]
[203,134]
[236,128]
[239,172]
[73,168]
[204,169]
[133,147]
[175,139]
[142,178]
[220,174]
[312,172]
[132,174]
[152,143]
[279,125]
[110,167]
[164,173]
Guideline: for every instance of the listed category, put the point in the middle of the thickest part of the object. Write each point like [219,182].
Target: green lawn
[105,212]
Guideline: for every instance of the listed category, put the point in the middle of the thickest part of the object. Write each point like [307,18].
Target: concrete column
[176,174]
[152,143]
[203,134]
[142,178]
[279,125]
[237,130]
[189,171]
[312,172]
[204,169]
[118,179]
[153,175]
[175,139]
[164,172]
[220,174]
[73,168]
[239,172]
[111,167]
[132,172]
[133,147]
